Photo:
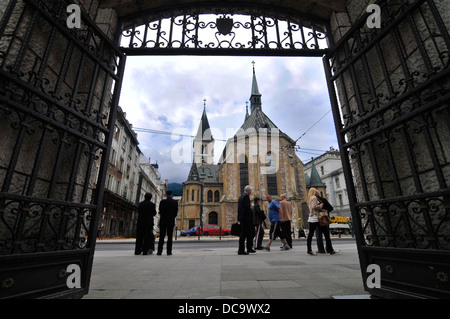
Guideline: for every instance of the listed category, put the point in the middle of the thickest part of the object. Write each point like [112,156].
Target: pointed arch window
[216,196]
[271,174]
[243,172]
[213,218]
[210,196]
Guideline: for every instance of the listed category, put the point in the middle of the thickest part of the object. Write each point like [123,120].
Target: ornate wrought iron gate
[223,30]
[390,93]
[59,89]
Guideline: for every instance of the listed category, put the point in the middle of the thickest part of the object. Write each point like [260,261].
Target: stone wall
[56,97]
[393,104]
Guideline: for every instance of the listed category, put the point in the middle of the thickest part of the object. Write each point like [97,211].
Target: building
[325,173]
[129,177]
[259,154]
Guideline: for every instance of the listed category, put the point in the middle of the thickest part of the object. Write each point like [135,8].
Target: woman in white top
[315,207]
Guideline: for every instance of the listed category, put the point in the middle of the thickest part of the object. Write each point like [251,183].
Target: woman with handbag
[317,212]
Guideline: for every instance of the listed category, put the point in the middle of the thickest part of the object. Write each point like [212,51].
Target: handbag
[236,229]
[324,219]
[326,205]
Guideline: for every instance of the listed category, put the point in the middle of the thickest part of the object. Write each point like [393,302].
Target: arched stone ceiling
[320,9]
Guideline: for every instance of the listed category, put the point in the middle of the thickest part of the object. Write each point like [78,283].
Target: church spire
[255,98]
[204,131]
[203,141]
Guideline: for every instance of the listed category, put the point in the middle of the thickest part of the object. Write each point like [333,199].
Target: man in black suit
[144,226]
[245,218]
[168,210]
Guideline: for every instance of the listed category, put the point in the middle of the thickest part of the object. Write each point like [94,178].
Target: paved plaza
[219,272]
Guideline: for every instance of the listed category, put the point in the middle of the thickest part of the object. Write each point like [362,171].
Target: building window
[272,187]
[271,174]
[213,218]
[210,196]
[116,132]
[193,195]
[340,200]
[112,158]
[216,196]
[322,170]
[243,172]
[120,168]
[187,195]
[338,184]
[108,181]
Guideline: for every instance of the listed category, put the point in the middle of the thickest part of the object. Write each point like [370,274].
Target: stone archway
[389,93]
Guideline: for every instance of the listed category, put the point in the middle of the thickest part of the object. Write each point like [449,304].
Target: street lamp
[201,178]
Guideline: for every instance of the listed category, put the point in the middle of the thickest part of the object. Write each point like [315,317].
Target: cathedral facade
[259,155]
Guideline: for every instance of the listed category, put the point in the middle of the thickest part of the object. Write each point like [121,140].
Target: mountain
[176,188]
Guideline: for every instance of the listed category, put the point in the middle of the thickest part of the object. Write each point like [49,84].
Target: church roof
[258,119]
[204,130]
[314,180]
[207,173]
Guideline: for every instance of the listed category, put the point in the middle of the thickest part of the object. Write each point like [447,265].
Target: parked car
[190,232]
[337,228]
[214,230]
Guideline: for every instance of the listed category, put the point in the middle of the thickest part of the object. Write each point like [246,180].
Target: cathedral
[259,155]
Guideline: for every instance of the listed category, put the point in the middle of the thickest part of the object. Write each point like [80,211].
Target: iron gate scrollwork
[392,120]
[58,97]
[225,30]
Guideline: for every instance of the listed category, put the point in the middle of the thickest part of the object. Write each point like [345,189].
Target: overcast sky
[167,94]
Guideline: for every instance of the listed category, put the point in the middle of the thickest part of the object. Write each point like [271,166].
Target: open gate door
[59,90]
[390,94]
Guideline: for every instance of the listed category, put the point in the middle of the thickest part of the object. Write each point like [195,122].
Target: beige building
[130,175]
[259,154]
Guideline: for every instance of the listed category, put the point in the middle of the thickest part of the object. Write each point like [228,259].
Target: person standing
[286,218]
[245,218]
[275,230]
[316,207]
[258,222]
[144,226]
[350,224]
[168,210]
[327,206]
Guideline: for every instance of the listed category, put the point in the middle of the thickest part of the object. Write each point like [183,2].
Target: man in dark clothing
[245,218]
[258,222]
[168,210]
[144,226]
